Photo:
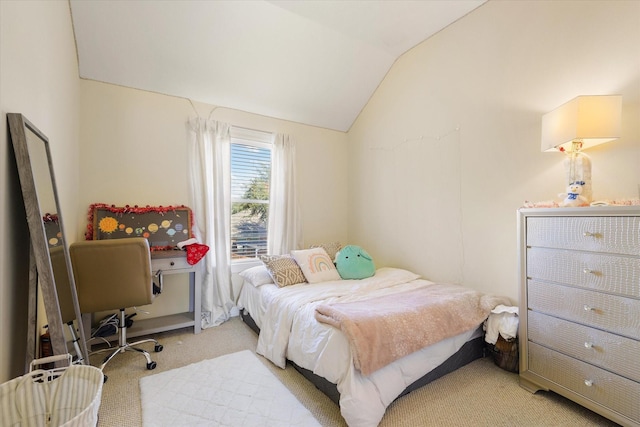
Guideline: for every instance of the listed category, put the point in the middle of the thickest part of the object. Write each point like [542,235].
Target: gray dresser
[580,307]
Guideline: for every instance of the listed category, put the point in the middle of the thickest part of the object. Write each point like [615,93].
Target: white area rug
[231,390]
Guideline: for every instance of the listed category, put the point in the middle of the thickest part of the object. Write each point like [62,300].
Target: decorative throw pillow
[283,270]
[316,265]
[331,249]
[353,262]
[257,276]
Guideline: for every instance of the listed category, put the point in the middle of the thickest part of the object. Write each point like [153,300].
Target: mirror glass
[49,250]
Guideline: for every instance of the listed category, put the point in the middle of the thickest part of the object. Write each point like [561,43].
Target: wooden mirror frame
[41,270]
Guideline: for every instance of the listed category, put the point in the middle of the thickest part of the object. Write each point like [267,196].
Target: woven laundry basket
[505,354]
[67,396]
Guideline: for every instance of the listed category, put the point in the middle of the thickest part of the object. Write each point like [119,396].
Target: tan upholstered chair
[65,299]
[114,274]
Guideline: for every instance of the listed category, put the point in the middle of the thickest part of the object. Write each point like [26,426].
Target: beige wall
[38,78]
[448,148]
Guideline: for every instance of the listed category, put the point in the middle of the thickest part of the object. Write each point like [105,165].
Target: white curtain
[210,169]
[284,218]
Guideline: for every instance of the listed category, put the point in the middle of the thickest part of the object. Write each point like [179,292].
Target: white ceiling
[313,62]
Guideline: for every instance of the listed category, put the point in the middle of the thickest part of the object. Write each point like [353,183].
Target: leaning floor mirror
[50,266]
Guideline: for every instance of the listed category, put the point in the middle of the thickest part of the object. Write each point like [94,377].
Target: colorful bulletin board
[163,226]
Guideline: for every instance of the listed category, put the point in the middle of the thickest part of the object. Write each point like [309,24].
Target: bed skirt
[470,351]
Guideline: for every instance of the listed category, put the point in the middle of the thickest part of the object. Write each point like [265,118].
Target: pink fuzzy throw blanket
[386,328]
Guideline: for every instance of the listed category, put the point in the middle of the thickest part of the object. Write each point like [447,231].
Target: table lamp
[582,123]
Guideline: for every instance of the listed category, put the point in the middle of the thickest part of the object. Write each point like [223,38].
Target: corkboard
[164,227]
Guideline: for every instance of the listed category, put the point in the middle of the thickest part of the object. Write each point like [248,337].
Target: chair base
[123,345]
[79,359]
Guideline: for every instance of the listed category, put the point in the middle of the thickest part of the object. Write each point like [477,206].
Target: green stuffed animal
[353,262]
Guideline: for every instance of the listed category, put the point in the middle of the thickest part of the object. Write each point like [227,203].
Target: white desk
[173,262]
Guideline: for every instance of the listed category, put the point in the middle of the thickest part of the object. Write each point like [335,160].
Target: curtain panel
[284,232]
[210,171]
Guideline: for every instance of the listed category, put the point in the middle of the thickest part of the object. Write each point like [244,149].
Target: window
[250,177]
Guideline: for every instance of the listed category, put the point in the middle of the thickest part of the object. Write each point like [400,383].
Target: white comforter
[289,330]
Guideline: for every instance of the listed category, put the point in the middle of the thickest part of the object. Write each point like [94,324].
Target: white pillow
[257,276]
[316,265]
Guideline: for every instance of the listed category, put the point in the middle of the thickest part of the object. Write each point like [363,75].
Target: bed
[289,330]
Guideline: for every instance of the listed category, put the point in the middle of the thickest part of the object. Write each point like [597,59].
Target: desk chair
[114,274]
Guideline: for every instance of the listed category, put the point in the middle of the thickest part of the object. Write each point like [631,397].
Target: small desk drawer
[170,261]
[599,272]
[600,348]
[613,391]
[619,235]
[612,313]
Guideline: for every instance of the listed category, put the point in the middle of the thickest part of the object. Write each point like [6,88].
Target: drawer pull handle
[588,344]
[172,263]
[587,270]
[588,308]
[588,383]
[588,234]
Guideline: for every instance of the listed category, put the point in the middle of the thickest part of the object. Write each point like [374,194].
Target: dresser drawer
[600,348]
[620,235]
[610,273]
[613,391]
[612,313]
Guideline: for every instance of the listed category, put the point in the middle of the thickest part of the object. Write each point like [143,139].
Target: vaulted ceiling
[313,62]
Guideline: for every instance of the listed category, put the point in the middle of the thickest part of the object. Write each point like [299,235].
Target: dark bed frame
[470,351]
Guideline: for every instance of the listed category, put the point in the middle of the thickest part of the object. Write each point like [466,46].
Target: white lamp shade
[592,119]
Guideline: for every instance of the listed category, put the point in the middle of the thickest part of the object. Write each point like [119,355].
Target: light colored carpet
[479,394]
[231,390]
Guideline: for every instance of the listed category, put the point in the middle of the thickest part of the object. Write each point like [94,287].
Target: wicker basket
[67,396]
[505,354]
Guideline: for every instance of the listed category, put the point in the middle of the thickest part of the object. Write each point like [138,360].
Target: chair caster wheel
[158,348]
[151,365]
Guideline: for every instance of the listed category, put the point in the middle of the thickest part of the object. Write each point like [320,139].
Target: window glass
[250,178]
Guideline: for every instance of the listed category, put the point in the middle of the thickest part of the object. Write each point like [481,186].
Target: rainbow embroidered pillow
[331,248]
[316,265]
